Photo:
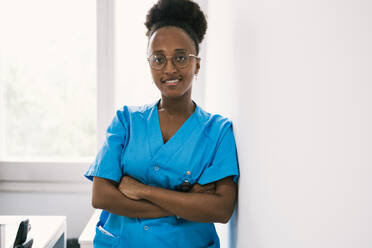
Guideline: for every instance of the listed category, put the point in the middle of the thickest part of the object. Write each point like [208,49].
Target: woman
[167,170]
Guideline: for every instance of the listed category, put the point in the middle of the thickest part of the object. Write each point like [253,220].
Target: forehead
[169,39]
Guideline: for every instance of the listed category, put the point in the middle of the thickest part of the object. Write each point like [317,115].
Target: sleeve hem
[90,176]
[219,177]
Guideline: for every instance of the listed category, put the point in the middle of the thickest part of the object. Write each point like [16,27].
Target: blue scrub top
[202,151]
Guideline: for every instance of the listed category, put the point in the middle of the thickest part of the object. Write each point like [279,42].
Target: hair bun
[178,11]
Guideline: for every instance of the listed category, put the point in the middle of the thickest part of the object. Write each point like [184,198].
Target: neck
[182,106]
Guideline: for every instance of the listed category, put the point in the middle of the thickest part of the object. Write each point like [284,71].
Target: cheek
[190,73]
[190,69]
[155,75]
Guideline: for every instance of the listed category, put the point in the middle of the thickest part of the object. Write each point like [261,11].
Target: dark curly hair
[184,14]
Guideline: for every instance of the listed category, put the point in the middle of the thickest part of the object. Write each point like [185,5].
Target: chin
[175,92]
[172,96]
[175,95]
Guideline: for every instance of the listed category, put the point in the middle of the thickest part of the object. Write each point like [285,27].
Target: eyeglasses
[180,60]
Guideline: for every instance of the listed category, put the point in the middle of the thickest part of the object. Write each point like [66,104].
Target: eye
[180,58]
[158,59]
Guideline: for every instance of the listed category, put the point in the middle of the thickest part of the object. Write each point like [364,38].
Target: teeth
[172,81]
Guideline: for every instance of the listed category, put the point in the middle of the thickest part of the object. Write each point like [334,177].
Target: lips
[171,81]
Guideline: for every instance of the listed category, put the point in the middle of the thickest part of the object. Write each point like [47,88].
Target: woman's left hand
[131,188]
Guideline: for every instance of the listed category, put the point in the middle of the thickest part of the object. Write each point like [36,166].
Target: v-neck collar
[180,129]
[161,151]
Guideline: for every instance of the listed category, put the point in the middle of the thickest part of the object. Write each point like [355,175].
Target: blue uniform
[202,151]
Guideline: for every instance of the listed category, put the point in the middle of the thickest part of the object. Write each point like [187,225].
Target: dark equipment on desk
[21,238]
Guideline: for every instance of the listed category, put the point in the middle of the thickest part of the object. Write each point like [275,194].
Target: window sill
[57,177]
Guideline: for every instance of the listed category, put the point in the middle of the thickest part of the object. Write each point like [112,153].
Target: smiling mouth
[171,82]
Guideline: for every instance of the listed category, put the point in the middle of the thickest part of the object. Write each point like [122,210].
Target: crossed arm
[209,203]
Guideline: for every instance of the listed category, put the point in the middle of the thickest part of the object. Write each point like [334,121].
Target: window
[133,82]
[47,80]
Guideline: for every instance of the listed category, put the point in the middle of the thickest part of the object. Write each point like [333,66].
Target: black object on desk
[21,238]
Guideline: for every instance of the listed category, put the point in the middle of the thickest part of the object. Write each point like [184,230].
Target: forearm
[106,196]
[199,207]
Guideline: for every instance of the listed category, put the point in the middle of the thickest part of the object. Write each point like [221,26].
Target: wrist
[145,192]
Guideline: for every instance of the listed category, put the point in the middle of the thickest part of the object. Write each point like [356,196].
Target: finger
[198,188]
[132,197]
[210,191]
[212,185]
[208,187]
[195,188]
[209,184]
[202,190]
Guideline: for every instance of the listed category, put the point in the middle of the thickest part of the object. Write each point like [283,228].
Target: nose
[169,67]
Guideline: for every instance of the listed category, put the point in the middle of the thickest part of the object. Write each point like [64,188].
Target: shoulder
[140,109]
[214,125]
[126,113]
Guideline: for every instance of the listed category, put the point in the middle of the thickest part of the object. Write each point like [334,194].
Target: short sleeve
[225,161]
[107,163]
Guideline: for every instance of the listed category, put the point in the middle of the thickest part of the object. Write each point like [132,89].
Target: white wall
[75,206]
[47,188]
[295,77]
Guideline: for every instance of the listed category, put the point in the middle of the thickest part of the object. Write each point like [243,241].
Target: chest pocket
[183,168]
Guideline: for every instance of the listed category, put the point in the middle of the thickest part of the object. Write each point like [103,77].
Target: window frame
[51,176]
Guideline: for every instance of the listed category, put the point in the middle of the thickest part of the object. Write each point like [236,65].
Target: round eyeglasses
[180,60]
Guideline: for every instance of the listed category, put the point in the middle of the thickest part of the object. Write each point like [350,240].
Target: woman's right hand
[207,188]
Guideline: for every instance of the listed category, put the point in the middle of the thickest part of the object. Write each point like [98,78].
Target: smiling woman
[168,169]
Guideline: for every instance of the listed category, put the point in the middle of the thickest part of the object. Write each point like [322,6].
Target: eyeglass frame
[166,61]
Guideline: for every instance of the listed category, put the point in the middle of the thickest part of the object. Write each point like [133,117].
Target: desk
[87,236]
[47,231]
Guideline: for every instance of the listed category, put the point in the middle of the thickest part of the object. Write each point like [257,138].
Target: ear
[197,68]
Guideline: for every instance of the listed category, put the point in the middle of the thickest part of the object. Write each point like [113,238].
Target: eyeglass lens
[158,61]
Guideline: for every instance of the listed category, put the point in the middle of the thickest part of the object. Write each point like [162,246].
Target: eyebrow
[176,50]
